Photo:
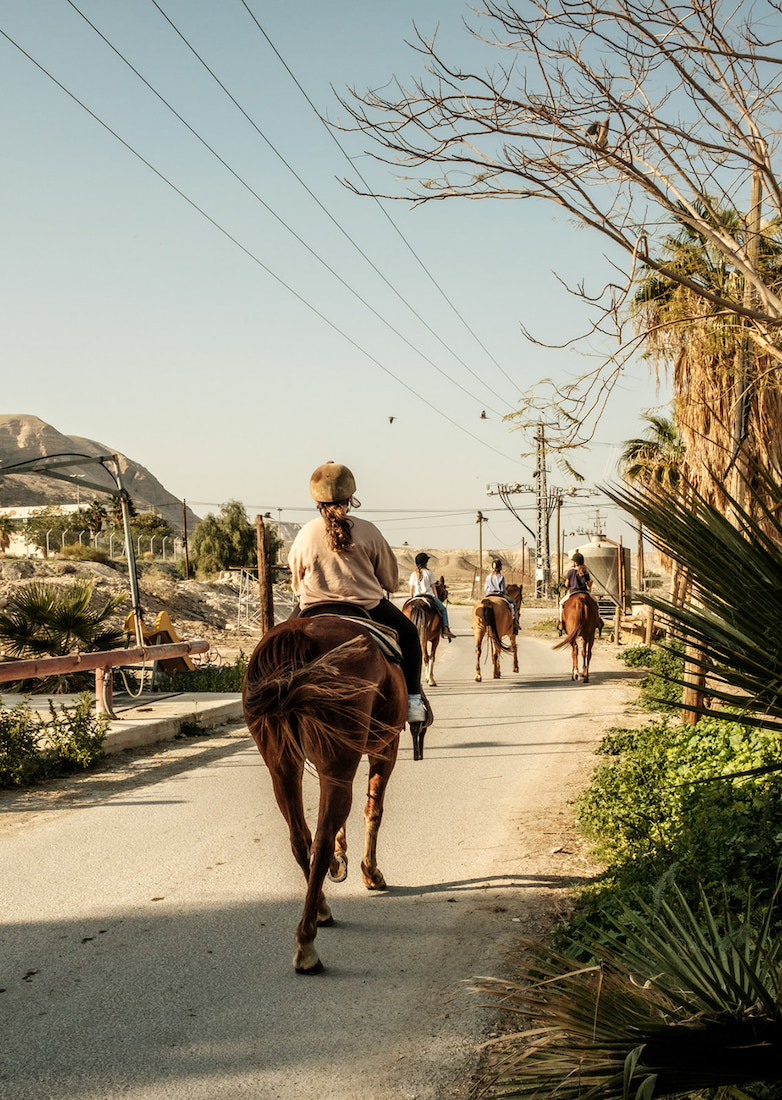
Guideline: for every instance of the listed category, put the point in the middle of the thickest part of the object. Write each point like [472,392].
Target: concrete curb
[151,717]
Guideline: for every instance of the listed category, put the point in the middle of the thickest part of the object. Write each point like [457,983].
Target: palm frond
[677,1002]
[737,608]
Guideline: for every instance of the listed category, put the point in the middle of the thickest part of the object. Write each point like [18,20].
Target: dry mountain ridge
[24,437]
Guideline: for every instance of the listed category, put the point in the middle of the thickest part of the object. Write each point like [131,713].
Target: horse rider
[495,586]
[578,579]
[337,559]
[422,584]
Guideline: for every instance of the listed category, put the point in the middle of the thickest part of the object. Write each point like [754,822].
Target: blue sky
[223,354]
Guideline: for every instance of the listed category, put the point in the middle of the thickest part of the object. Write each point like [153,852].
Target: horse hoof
[318,968]
[327,922]
[338,870]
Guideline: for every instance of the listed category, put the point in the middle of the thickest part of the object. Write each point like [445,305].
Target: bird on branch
[599,131]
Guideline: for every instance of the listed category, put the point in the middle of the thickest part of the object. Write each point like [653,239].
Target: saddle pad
[385,636]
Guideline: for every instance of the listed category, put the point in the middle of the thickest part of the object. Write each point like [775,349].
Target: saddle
[385,636]
[424,596]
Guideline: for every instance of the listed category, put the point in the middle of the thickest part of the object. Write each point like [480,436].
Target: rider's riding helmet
[578,558]
[332,482]
[496,563]
[421,560]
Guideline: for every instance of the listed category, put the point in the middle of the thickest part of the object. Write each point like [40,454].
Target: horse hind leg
[574,674]
[334,808]
[380,768]
[432,651]
[586,660]
[515,651]
[338,869]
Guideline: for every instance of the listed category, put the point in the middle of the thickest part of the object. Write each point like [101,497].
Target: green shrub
[649,811]
[77,552]
[657,692]
[34,747]
[20,760]
[214,678]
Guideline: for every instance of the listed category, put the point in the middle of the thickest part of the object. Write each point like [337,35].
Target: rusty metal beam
[109,658]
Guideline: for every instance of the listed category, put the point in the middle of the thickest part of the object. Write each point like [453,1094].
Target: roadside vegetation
[668,978]
[208,678]
[35,747]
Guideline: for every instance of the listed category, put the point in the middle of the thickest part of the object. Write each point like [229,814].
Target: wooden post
[620,601]
[265,588]
[649,626]
[694,683]
[640,562]
[184,539]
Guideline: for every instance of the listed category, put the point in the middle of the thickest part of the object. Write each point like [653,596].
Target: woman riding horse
[422,583]
[340,560]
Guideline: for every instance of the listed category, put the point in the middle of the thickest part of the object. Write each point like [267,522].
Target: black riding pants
[388,614]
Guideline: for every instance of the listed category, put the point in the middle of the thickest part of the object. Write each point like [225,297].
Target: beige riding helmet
[332,482]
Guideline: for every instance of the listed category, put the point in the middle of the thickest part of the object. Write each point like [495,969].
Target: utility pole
[545,504]
[542,547]
[480,521]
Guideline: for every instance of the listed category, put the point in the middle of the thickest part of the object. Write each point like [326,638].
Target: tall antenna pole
[542,548]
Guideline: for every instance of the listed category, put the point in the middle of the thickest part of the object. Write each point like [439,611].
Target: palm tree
[6,530]
[95,516]
[656,463]
[115,509]
[707,352]
[47,620]
[655,460]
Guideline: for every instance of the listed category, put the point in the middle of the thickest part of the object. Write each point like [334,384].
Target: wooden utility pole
[184,539]
[480,521]
[265,587]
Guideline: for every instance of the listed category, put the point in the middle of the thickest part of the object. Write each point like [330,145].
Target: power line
[316,255]
[380,206]
[325,210]
[248,253]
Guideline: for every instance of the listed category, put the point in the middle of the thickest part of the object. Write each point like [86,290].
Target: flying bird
[391,419]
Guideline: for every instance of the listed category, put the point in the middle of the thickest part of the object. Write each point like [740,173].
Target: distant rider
[422,584]
[495,586]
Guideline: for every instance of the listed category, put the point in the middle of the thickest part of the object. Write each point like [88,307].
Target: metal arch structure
[51,466]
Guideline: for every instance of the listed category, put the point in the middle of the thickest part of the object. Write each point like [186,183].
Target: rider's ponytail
[339,529]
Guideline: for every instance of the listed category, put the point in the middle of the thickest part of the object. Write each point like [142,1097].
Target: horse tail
[307,696]
[417,613]
[573,633]
[490,620]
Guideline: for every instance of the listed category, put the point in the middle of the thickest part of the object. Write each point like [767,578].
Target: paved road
[147,938]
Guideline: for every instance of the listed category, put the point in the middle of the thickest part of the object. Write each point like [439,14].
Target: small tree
[46,529]
[224,541]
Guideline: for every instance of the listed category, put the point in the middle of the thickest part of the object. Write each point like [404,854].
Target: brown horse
[425,616]
[515,593]
[320,690]
[581,617]
[492,617]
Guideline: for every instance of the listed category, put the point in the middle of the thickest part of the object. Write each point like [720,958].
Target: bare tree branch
[627,114]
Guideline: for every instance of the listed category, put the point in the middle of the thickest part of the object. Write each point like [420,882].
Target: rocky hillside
[27,437]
